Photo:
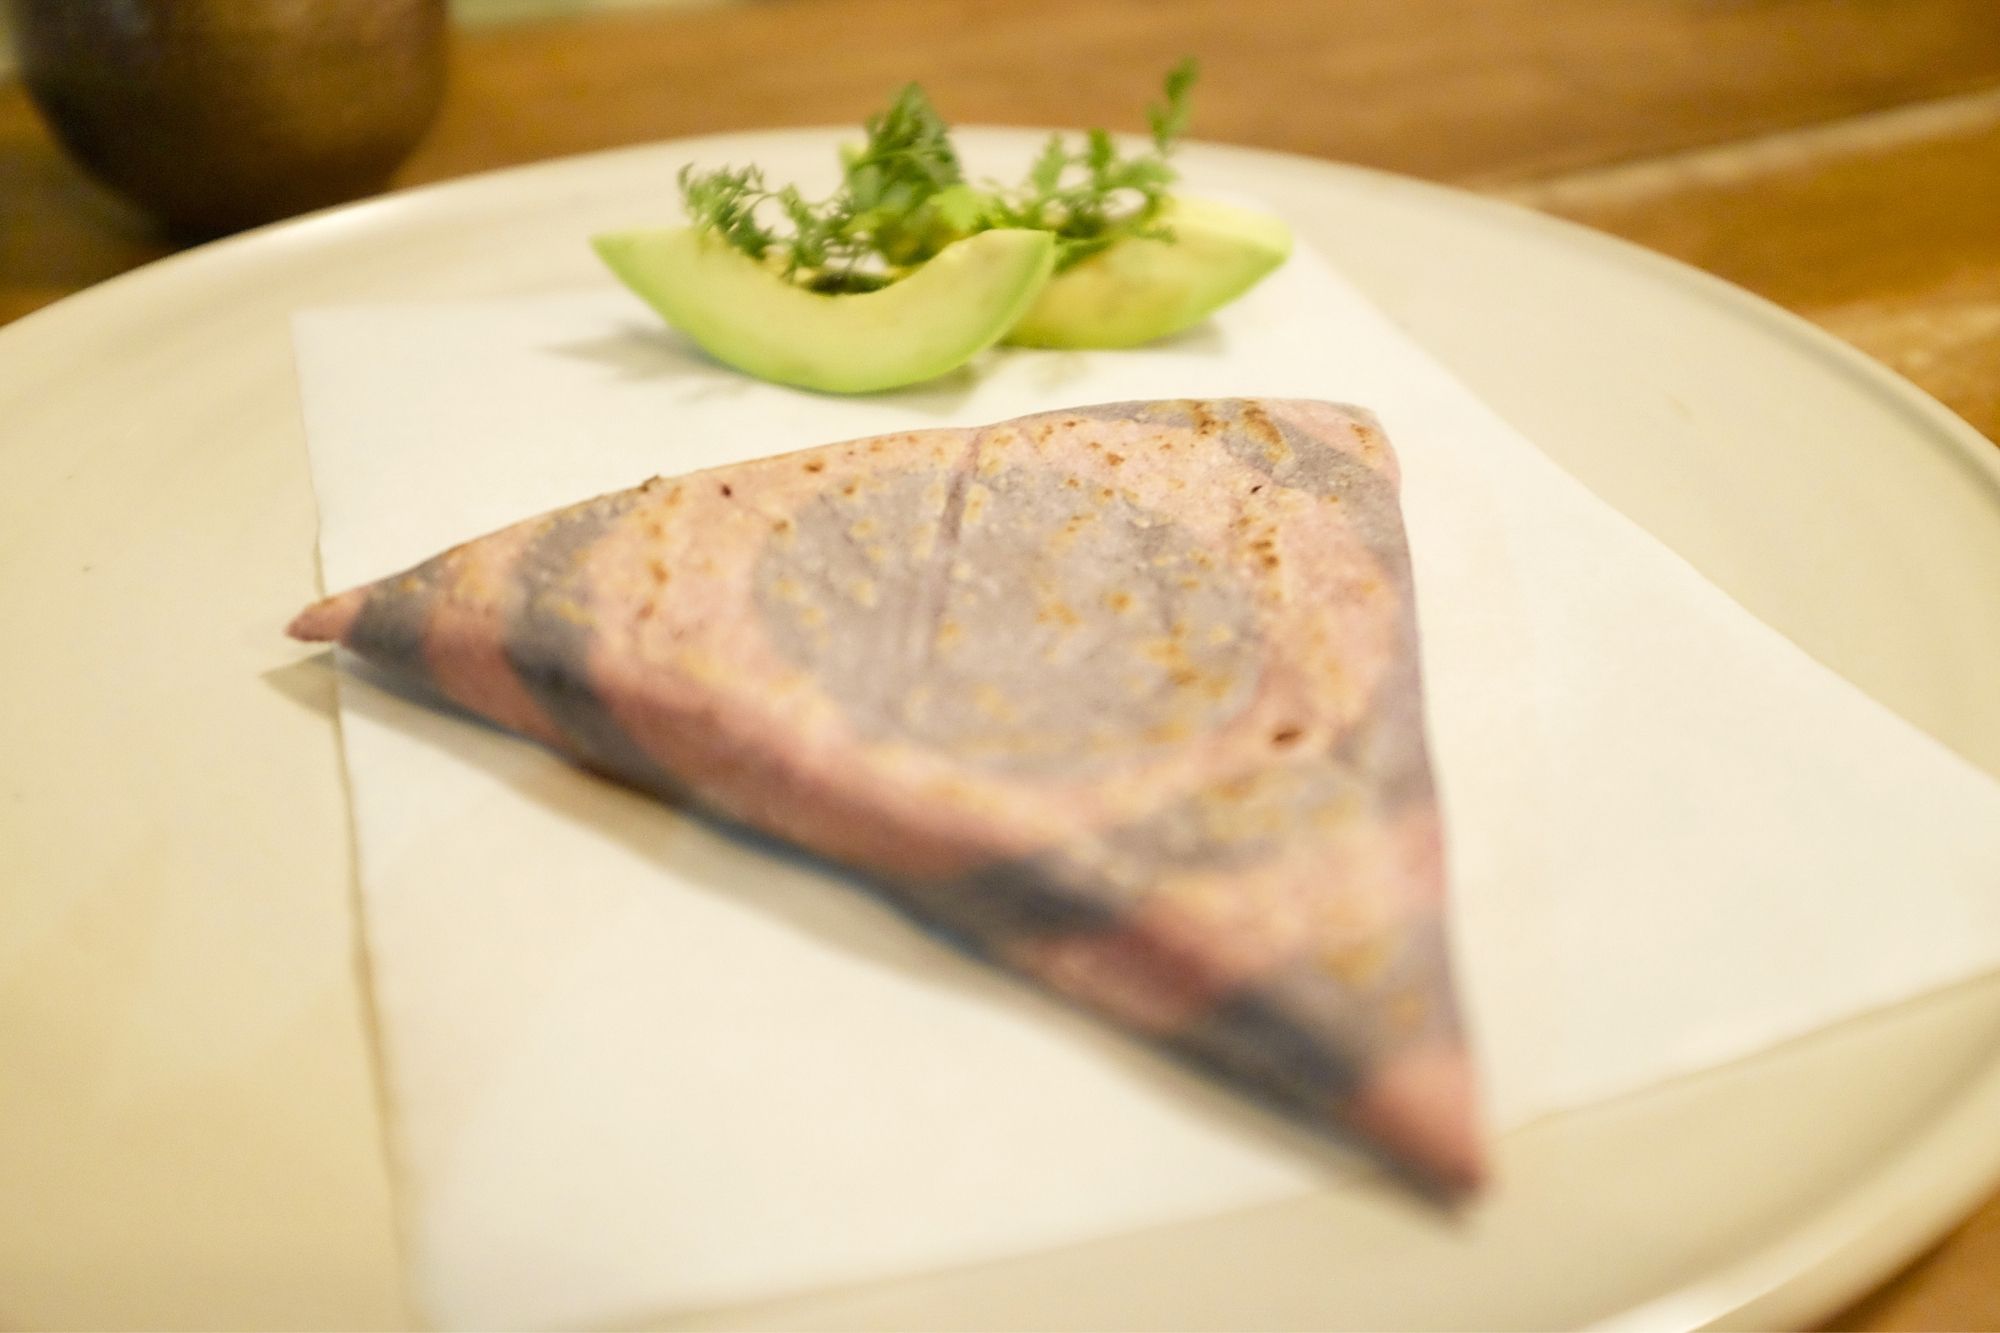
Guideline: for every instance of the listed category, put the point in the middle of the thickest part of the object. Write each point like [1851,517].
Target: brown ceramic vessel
[214,115]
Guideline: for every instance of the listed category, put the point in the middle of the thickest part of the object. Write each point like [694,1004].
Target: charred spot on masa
[1321,464]
[815,465]
[1232,790]
[727,490]
[1286,736]
[1408,1012]
[1055,611]
[1257,422]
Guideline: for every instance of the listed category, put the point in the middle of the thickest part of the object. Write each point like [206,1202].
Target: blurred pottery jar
[214,115]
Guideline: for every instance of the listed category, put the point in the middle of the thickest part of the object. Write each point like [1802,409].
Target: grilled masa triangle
[1125,698]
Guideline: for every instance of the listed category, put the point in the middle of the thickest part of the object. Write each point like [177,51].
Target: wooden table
[1840,158]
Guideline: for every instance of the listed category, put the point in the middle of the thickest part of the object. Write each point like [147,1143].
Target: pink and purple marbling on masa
[1124,698]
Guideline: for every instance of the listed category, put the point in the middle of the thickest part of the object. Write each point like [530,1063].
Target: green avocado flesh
[942,315]
[1135,290]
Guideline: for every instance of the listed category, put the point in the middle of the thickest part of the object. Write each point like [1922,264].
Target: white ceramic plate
[188,1126]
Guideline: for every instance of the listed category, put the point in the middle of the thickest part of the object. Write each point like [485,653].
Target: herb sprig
[903,197]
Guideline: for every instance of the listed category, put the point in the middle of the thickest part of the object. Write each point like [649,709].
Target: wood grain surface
[1840,158]
[1882,228]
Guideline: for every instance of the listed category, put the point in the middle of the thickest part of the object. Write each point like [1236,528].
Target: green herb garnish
[903,197]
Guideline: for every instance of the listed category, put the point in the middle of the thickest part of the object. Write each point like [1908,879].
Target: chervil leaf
[1169,120]
[903,197]
[1047,172]
[1092,196]
[1101,154]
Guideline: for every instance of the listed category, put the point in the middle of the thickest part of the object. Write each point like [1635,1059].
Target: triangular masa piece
[1124,697]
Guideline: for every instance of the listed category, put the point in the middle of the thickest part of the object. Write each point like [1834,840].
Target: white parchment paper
[638,1064]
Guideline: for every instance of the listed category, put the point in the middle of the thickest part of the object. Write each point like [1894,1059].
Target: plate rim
[1869,1227]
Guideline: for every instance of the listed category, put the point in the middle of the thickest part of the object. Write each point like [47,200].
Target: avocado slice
[1136,290]
[937,318]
